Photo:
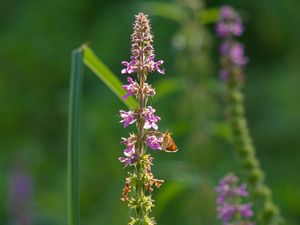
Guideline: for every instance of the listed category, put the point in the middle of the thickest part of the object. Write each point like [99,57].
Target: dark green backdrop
[37,38]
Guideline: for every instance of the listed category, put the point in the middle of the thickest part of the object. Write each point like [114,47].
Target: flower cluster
[230,25]
[132,88]
[230,209]
[140,182]
[142,50]
[150,119]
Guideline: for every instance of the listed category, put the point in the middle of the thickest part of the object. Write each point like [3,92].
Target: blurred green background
[37,38]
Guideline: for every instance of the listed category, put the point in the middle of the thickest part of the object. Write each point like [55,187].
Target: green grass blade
[73,137]
[209,16]
[104,73]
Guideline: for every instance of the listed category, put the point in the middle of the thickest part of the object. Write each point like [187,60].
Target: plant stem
[268,212]
[142,213]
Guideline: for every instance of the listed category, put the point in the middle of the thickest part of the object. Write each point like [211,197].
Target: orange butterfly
[168,144]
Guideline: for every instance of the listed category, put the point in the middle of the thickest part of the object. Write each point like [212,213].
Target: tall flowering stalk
[140,181]
[230,207]
[233,61]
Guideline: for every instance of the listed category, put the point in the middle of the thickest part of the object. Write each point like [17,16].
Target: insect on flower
[168,144]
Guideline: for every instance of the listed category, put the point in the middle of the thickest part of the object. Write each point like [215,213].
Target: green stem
[142,213]
[73,137]
[268,212]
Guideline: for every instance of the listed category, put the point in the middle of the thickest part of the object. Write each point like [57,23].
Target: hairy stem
[268,212]
[141,211]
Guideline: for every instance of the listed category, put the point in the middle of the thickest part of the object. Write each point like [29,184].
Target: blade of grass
[80,56]
[73,136]
[104,73]
[209,16]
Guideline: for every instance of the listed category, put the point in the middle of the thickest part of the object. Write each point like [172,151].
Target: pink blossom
[154,142]
[127,117]
[150,118]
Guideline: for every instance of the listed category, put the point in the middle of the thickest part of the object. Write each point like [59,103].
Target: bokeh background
[37,38]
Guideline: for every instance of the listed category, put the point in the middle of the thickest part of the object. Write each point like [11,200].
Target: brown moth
[168,144]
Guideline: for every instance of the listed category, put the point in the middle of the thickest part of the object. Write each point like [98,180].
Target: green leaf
[80,56]
[166,10]
[73,137]
[105,74]
[208,16]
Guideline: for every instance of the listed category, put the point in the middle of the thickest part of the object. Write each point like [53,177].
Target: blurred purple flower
[21,190]
[230,23]
[223,74]
[246,210]
[236,54]
[229,196]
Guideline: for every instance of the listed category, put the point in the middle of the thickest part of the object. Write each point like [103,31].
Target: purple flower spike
[127,117]
[230,24]
[142,59]
[140,182]
[229,207]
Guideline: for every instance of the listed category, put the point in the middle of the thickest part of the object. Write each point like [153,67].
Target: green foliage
[37,37]
[104,73]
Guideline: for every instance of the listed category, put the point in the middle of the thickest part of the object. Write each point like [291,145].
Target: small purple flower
[129,151]
[223,74]
[127,161]
[154,142]
[226,212]
[237,56]
[230,23]
[156,65]
[224,48]
[227,12]
[246,210]
[131,88]
[229,196]
[150,118]
[21,190]
[127,117]
[237,29]
[130,66]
